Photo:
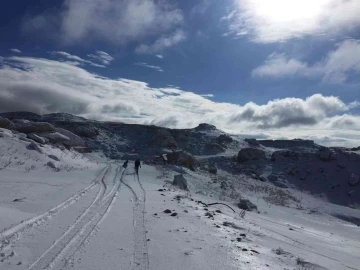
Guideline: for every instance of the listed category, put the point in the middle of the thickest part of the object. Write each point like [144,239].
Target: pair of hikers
[137,165]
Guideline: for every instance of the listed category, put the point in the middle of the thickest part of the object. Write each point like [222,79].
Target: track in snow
[140,255]
[10,235]
[56,256]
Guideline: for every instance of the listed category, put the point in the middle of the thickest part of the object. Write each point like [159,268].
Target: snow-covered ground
[60,209]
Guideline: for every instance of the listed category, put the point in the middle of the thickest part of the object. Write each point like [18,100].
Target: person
[125,164]
[137,165]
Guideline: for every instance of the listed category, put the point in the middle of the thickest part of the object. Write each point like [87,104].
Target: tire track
[140,255]
[10,234]
[56,256]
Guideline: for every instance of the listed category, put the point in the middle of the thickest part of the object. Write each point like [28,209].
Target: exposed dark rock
[6,123]
[33,127]
[180,181]
[252,142]
[224,139]
[182,158]
[247,154]
[205,127]
[167,211]
[247,205]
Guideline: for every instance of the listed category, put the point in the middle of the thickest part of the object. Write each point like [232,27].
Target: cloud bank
[114,22]
[44,86]
[280,20]
[336,67]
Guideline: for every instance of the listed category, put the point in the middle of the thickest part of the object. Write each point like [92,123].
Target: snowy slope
[60,209]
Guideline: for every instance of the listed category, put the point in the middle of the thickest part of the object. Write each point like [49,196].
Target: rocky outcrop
[252,142]
[288,143]
[247,154]
[212,149]
[74,140]
[180,181]
[247,205]
[205,127]
[182,158]
[212,168]
[326,154]
[162,138]
[224,139]
[36,147]
[37,138]
[21,115]
[55,137]
[6,123]
[33,127]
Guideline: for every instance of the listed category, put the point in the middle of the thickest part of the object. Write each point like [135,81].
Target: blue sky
[264,68]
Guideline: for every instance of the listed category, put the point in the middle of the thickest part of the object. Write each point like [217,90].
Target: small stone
[244,249]
[19,263]
[167,211]
[173,214]
[238,239]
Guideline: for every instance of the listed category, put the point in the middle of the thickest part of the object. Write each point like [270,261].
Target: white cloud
[76,60]
[15,50]
[162,43]
[102,57]
[149,66]
[279,20]
[115,22]
[335,67]
[159,56]
[44,86]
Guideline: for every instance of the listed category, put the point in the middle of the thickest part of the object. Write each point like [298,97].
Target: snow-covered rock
[74,140]
[33,127]
[54,137]
[247,154]
[35,146]
[5,133]
[37,138]
[223,139]
[180,181]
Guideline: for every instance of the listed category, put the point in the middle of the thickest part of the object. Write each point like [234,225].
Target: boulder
[54,157]
[180,181]
[212,168]
[36,138]
[85,131]
[52,165]
[36,147]
[33,127]
[272,177]
[182,158]
[74,140]
[6,123]
[354,180]
[55,137]
[247,205]
[280,184]
[247,154]
[5,133]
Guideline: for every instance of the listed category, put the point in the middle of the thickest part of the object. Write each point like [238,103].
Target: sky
[260,68]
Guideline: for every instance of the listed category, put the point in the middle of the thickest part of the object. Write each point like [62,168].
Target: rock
[5,133]
[354,180]
[224,139]
[280,184]
[250,154]
[6,123]
[162,138]
[85,131]
[205,127]
[212,168]
[252,142]
[325,154]
[247,205]
[54,157]
[74,140]
[180,181]
[33,127]
[36,138]
[272,177]
[52,165]
[55,137]
[262,178]
[174,214]
[182,158]
[21,115]
[212,149]
[167,211]
[34,146]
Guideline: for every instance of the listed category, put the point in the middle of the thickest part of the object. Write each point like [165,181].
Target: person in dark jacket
[137,165]
[125,164]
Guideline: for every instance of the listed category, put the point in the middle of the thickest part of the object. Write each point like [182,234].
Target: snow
[91,213]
